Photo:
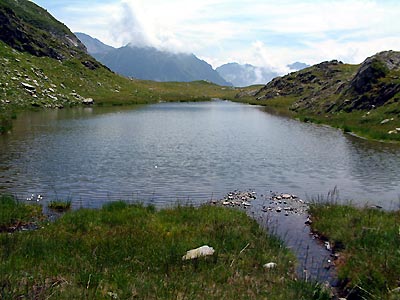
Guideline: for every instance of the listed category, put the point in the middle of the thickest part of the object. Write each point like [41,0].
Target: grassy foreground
[130,251]
[369,242]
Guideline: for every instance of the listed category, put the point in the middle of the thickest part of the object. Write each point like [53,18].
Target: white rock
[270,265]
[88,101]
[328,246]
[28,86]
[199,252]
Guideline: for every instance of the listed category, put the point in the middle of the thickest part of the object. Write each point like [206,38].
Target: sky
[263,33]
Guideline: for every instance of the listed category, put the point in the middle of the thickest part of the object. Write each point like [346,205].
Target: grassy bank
[368,241]
[126,252]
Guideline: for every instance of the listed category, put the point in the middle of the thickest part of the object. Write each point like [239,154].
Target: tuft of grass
[59,205]
[15,213]
[369,242]
[131,251]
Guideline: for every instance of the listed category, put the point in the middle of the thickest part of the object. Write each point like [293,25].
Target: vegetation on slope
[363,99]
[368,241]
[124,252]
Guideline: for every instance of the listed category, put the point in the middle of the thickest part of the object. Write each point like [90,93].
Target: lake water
[189,152]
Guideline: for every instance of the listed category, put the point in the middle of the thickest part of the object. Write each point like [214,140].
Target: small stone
[328,246]
[270,265]
[199,252]
[88,101]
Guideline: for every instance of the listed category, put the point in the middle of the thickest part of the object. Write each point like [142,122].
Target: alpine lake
[192,153]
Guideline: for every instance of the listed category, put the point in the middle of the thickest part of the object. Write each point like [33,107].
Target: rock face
[333,86]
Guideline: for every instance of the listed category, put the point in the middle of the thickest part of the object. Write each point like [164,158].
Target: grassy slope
[126,252]
[369,243]
[62,79]
[361,122]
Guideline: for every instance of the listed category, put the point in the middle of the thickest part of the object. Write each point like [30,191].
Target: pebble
[270,265]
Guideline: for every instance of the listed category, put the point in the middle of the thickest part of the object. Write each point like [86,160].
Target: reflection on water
[189,152]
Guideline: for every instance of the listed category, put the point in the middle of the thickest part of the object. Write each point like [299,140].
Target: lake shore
[141,256]
[371,243]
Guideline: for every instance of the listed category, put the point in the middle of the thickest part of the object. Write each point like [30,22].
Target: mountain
[246,75]
[93,46]
[150,63]
[297,66]
[361,98]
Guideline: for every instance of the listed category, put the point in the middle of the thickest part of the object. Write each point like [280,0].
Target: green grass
[14,213]
[127,252]
[369,244]
[59,205]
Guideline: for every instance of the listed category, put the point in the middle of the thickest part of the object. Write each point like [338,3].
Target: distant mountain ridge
[246,75]
[150,63]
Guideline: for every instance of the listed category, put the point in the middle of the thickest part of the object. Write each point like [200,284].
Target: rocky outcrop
[333,86]
[375,82]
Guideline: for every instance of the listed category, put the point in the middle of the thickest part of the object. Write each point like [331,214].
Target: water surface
[189,152]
